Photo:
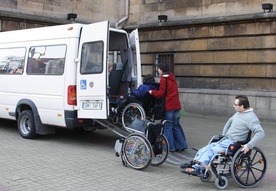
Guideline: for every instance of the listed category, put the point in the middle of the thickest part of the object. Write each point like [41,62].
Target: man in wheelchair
[236,129]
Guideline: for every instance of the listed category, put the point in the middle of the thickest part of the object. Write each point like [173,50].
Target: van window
[12,60]
[46,60]
[92,58]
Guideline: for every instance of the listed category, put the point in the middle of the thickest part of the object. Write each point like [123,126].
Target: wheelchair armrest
[233,148]
[216,138]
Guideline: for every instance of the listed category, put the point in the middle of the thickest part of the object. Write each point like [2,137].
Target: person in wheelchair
[141,93]
[236,129]
[148,84]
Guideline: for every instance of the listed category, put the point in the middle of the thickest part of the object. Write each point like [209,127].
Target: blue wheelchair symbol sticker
[83,84]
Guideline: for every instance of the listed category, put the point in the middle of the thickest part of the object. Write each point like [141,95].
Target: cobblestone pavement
[86,161]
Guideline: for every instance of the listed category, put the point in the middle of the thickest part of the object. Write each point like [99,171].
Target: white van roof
[42,33]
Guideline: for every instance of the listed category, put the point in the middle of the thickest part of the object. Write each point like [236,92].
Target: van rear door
[136,70]
[92,74]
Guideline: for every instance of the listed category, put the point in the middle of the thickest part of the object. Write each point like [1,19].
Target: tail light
[72,95]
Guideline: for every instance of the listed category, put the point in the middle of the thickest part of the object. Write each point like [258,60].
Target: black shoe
[180,150]
[185,165]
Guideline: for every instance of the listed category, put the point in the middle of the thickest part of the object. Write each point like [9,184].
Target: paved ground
[86,161]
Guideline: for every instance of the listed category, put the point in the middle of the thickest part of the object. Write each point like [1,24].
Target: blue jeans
[205,154]
[174,132]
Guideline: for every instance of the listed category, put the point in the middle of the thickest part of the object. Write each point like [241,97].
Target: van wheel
[26,125]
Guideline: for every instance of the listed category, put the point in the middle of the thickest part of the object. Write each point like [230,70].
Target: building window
[164,58]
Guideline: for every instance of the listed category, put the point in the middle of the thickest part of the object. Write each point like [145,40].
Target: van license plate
[91,105]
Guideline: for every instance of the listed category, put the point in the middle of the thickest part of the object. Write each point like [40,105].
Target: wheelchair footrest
[192,171]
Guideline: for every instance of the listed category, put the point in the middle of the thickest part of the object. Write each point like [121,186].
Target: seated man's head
[241,103]
[148,78]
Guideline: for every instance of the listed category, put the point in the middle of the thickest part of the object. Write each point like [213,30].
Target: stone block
[185,82]
[186,70]
[181,33]
[232,84]
[9,3]
[31,7]
[148,58]
[214,70]
[262,56]
[218,44]
[160,47]
[264,42]
[178,13]
[9,25]
[202,57]
[216,31]
[135,9]
[183,58]
[247,71]
[198,32]
[148,69]
[193,11]
[271,71]
[190,45]
[218,9]
[263,103]
[230,57]
[260,84]
[206,83]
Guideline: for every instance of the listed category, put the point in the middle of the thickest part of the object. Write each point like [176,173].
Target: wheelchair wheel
[248,169]
[206,176]
[161,158]
[131,112]
[137,151]
[221,183]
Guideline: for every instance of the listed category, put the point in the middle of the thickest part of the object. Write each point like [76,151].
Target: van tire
[26,125]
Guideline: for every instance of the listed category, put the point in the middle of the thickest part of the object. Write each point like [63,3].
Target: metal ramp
[115,128]
[177,158]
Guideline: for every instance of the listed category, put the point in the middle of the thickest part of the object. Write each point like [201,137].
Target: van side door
[91,71]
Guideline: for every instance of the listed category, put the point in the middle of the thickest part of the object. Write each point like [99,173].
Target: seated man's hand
[245,149]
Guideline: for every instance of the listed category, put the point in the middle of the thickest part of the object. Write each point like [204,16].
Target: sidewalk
[86,161]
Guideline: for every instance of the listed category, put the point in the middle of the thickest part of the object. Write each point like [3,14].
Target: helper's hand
[245,149]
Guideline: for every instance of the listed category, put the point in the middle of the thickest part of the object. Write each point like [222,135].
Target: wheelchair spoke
[248,169]
[137,151]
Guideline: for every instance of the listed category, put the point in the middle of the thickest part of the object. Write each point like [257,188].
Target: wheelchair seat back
[151,130]
[148,104]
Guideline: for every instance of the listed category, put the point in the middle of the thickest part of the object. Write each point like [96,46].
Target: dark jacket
[172,97]
[142,90]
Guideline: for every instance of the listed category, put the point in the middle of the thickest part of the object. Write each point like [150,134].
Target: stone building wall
[146,11]
[220,47]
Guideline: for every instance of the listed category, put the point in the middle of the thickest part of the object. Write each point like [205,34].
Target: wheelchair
[130,109]
[145,145]
[247,170]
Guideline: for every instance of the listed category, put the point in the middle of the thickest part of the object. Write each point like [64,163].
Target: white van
[58,76]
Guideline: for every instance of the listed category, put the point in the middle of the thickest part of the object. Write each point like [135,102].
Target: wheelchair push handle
[162,124]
